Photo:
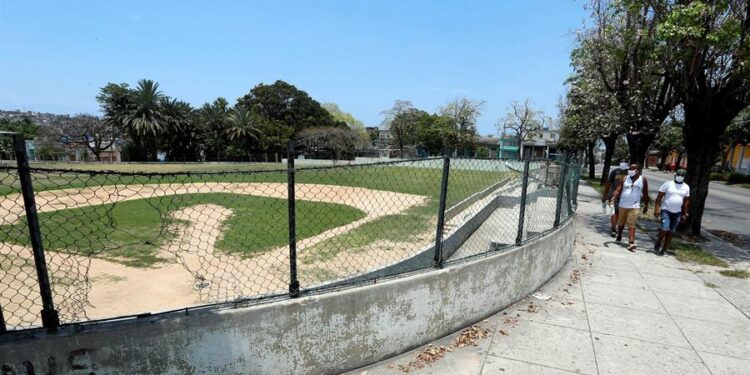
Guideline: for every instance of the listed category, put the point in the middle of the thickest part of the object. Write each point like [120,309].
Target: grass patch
[692,253]
[710,285]
[739,274]
[130,232]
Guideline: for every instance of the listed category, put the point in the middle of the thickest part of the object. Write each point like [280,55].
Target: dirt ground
[91,288]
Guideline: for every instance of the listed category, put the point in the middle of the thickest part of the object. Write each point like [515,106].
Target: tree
[88,131]
[336,141]
[400,120]
[435,133]
[622,50]
[182,136]
[705,50]
[285,105]
[523,120]
[24,127]
[669,140]
[363,139]
[244,126]
[214,119]
[464,113]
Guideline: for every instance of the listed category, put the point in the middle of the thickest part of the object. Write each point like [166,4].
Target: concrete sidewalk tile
[723,365]
[731,340]
[719,311]
[497,365]
[465,360]
[617,277]
[664,271]
[681,287]
[615,295]
[619,355]
[553,346]
[560,311]
[635,324]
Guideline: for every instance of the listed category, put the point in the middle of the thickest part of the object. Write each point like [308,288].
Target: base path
[608,311]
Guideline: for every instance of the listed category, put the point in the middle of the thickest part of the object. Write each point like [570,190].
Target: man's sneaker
[613,233]
[619,237]
[631,247]
[657,248]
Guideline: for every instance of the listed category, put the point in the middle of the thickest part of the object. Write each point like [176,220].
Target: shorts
[627,215]
[669,221]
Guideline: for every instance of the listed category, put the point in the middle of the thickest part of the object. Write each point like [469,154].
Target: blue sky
[363,55]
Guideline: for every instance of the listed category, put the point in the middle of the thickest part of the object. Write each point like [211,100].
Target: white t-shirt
[632,192]
[674,195]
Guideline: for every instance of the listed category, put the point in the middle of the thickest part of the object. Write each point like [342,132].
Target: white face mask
[623,165]
[631,173]
[679,179]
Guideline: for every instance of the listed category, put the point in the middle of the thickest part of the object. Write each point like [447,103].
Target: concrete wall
[327,333]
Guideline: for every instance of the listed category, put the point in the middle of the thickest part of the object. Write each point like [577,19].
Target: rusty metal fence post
[441,213]
[50,319]
[562,181]
[522,204]
[293,280]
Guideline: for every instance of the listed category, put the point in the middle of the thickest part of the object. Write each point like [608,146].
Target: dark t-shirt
[616,176]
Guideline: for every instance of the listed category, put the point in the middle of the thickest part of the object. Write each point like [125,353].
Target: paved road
[727,207]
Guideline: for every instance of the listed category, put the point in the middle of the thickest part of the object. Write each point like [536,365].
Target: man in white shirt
[629,195]
[672,205]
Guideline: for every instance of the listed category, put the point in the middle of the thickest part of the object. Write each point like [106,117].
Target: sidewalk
[610,312]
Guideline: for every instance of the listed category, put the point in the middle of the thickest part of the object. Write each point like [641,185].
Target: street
[727,207]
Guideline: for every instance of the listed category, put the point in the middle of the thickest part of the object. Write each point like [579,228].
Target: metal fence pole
[293,281]
[560,190]
[441,213]
[522,207]
[2,320]
[50,319]
[569,185]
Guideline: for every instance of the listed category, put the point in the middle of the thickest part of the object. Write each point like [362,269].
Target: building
[738,159]
[508,147]
[541,144]
[488,147]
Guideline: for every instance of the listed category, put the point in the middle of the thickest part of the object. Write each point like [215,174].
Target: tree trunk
[609,150]
[663,160]
[705,122]
[590,157]
[638,145]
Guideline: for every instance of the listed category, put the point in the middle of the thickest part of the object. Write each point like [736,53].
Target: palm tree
[214,117]
[243,124]
[146,117]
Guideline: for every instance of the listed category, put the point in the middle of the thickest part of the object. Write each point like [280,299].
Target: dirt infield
[196,272]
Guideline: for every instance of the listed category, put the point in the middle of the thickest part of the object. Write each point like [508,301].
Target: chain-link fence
[80,245]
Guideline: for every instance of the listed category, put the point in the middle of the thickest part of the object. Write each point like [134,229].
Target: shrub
[716,176]
[737,178]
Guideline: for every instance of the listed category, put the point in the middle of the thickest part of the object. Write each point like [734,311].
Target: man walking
[671,206]
[629,195]
[615,178]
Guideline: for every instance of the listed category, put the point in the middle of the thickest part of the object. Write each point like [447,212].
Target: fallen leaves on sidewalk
[532,308]
[471,336]
[584,257]
[567,302]
[575,276]
[468,337]
[510,321]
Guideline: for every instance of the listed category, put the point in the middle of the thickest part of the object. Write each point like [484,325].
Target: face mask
[631,173]
[679,179]
[623,165]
